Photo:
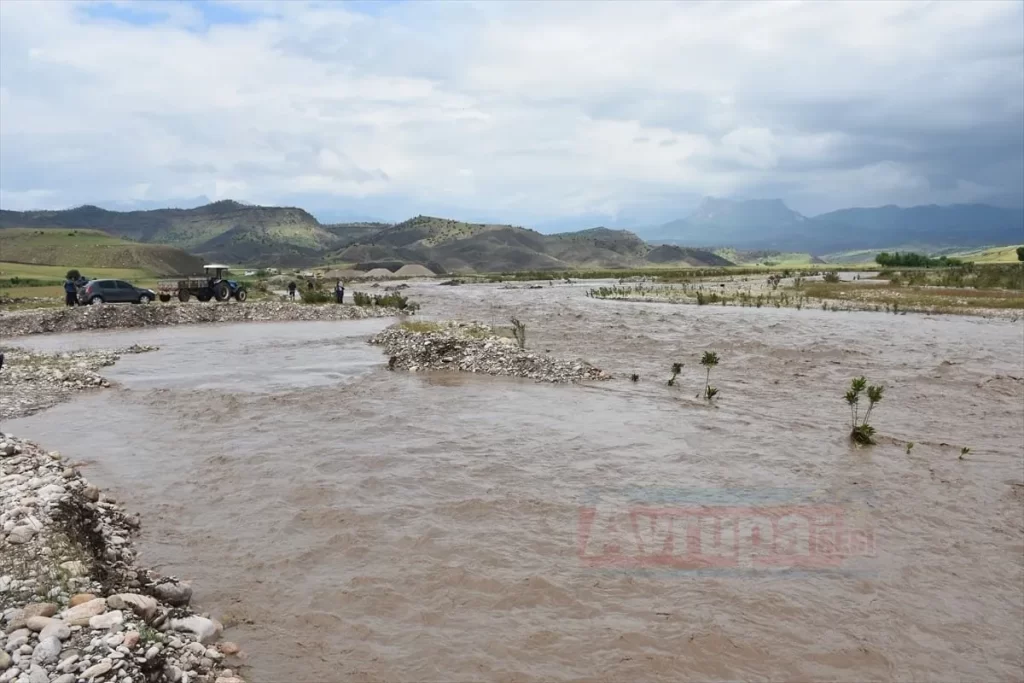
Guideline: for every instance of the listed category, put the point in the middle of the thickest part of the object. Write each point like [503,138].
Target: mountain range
[770,224]
[289,236]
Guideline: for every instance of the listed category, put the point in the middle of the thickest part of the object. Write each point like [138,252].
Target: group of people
[339,290]
[71,284]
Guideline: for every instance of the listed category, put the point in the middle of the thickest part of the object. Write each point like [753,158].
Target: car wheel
[96,300]
[145,299]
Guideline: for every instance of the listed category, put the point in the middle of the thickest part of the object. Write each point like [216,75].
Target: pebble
[97,670]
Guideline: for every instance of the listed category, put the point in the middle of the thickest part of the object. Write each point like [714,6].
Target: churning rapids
[354,524]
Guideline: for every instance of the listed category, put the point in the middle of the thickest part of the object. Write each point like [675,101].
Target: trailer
[213,286]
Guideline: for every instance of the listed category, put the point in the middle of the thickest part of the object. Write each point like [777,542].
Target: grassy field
[993,255]
[88,250]
[27,271]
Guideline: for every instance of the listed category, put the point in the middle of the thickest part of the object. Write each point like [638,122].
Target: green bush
[390,300]
[316,296]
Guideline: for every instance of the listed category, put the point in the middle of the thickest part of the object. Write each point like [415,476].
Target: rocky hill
[281,236]
[459,246]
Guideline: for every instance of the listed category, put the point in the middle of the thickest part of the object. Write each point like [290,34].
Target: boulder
[81,614]
[174,593]
[143,605]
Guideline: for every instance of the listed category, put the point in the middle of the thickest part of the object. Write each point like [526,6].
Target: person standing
[291,290]
[339,292]
[70,293]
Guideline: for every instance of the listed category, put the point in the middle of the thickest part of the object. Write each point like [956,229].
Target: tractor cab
[215,271]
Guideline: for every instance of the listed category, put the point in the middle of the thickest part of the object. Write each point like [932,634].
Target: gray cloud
[521,111]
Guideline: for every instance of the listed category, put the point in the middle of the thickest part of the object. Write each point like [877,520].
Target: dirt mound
[377,272]
[414,270]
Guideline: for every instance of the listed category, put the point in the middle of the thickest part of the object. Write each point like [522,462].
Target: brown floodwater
[353,524]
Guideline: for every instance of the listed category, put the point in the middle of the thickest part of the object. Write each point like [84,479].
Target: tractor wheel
[165,297]
[183,295]
[222,291]
[241,295]
[204,296]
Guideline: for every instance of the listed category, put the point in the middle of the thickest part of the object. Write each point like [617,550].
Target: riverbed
[354,524]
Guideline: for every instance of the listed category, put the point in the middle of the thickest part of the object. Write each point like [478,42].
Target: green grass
[91,250]
[37,272]
[993,255]
[421,326]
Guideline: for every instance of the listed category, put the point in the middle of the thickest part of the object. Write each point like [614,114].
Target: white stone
[206,630]
[57,629]
[47,651]
[97,670]
[106,621]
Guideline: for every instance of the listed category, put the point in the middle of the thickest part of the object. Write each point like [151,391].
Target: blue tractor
[213,286]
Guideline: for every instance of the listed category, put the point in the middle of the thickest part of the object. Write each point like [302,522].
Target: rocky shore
[31,381]
[48,320]
[471,347]
[73,604]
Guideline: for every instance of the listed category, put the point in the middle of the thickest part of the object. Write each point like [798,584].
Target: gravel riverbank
[471,347]
[31,381]
[48,320]
[73,604]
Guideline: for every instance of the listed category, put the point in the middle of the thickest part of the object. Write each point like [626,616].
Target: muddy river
[352,524]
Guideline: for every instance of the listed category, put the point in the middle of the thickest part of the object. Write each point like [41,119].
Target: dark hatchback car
[114,292]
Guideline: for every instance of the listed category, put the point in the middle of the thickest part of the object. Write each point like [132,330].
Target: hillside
[459,246]
[225,230]
[771,225]
[86,249]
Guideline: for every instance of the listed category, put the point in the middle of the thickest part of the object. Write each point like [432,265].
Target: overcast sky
[544,114]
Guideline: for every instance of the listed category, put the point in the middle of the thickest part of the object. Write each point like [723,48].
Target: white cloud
[543,104]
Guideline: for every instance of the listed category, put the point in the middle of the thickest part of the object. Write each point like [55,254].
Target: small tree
[73,274]
[862,433]
[519,332]
[1020,253]
[709,360]
[676,369]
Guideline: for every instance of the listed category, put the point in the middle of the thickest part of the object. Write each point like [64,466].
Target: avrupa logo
[724,531]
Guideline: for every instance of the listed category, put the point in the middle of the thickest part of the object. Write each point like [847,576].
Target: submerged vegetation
[709,360]
[389,300]
[519,332]
[676,369]
[860,431]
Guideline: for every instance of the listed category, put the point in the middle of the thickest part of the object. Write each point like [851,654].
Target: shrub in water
[862,433]
[709,360]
